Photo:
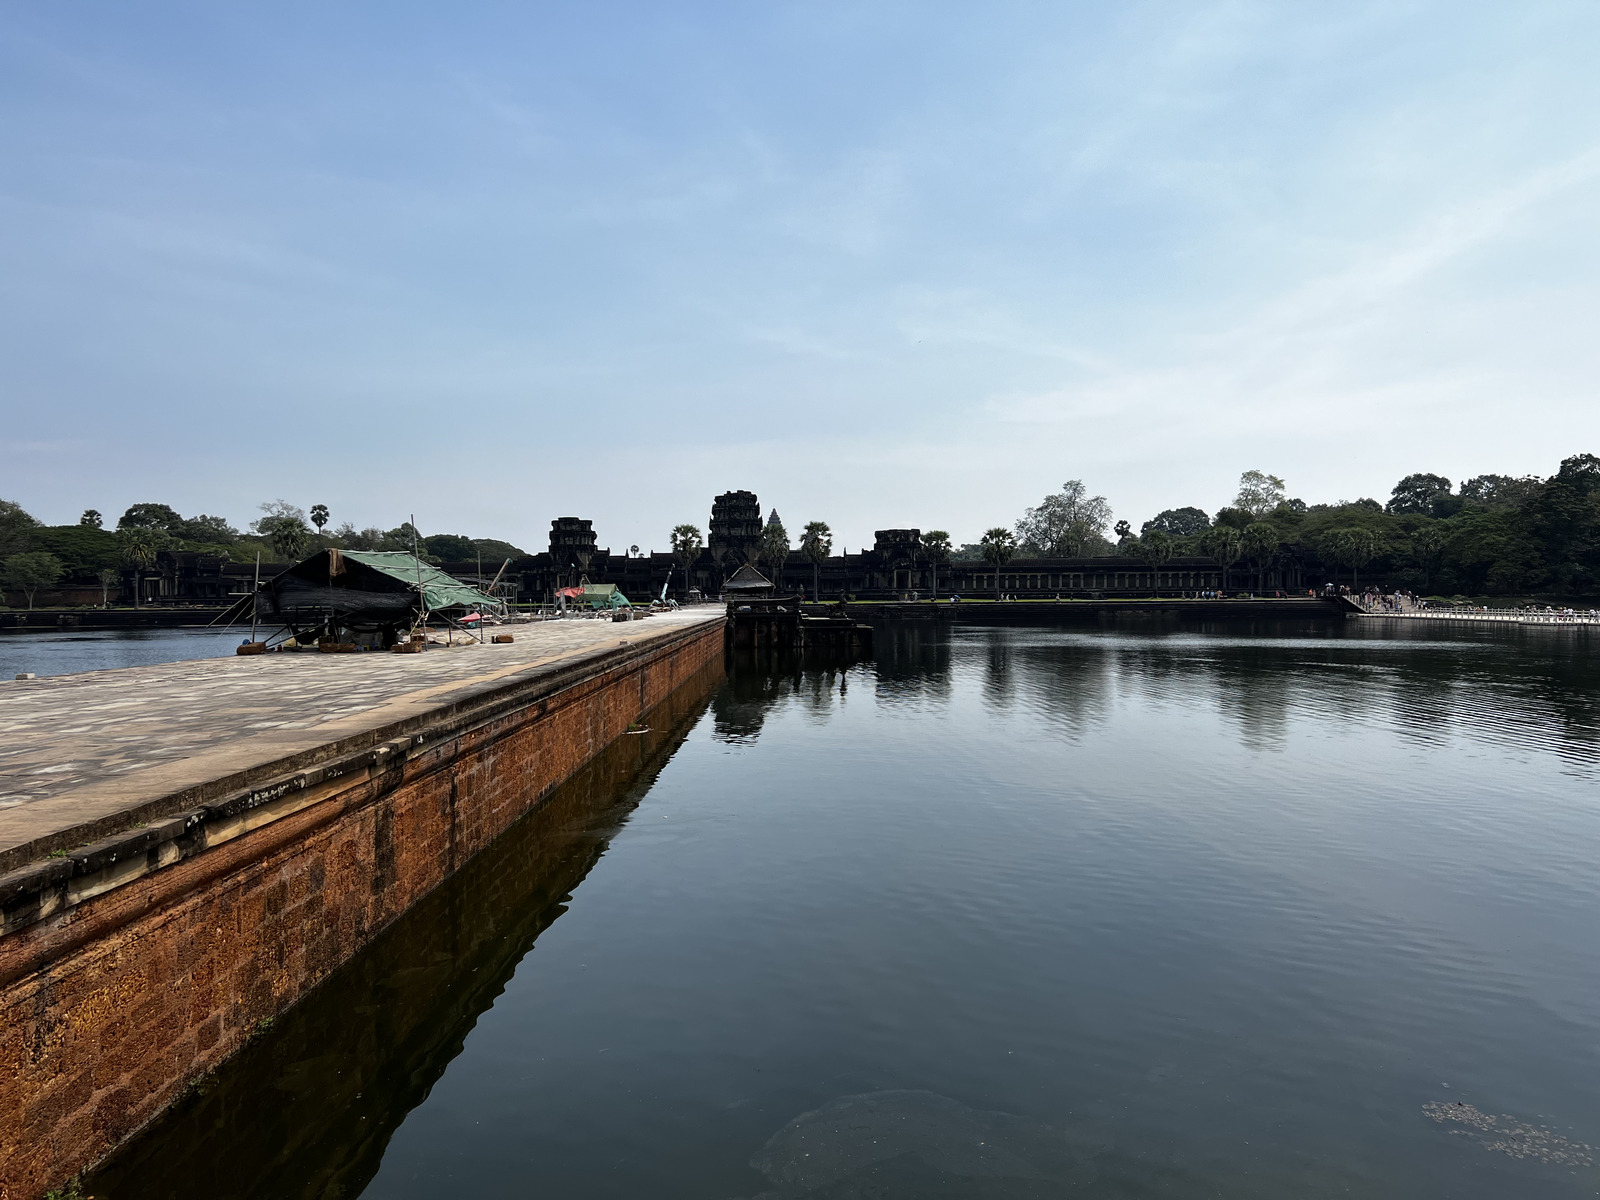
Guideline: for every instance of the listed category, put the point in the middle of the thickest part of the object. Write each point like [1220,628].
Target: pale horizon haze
[883,264]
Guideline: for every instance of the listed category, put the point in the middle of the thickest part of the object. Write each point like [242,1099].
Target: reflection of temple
[897,565]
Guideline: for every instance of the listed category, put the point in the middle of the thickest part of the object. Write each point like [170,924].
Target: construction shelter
[365,595]
[594,596]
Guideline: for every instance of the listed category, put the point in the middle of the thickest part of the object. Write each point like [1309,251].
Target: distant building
[735,532]
[896,565]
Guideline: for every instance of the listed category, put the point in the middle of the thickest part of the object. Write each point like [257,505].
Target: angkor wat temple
[896,566]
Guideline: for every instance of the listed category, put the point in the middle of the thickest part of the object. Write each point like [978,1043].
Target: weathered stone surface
[109,1007]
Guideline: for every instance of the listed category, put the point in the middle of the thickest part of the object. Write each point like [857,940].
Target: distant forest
[1493,535]
[34,555]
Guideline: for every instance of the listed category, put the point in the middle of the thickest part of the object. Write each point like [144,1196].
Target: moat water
[1256,912]
[64,652]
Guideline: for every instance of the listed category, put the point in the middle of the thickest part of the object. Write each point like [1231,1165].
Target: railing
[1513,616]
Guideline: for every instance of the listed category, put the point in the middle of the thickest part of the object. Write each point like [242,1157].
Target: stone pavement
[74,748]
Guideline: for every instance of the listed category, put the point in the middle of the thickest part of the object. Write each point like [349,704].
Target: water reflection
[308,1110]
[1529,688]
[1515,687]
[1008,912]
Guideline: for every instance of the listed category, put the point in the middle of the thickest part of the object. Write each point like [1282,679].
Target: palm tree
[686,547]
[775,547]
[1352,547]
[139,548]
[816,543]
[1225,545]
[998,547]
[319,516]
[1360,547]
[1427,544]
[1260,545]
[1154,548]
[936,545]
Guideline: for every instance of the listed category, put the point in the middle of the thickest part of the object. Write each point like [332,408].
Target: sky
[887,265]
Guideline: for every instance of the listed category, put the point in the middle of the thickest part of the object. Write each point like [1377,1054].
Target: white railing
[1513,616]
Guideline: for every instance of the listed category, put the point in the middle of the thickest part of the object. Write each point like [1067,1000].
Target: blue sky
[884,264]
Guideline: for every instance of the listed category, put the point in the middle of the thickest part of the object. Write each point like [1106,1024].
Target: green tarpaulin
[440,590]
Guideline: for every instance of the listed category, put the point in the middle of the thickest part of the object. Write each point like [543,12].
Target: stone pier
[187,849]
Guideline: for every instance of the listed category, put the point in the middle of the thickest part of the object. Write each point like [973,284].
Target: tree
[30,571]
[495,548]
[1427,547]
[1224,543]
[403,537]
[1501,492]
[1178,522]
[284,526]
[152,516]
[450,547]
[936,545]
[319,516]
[1154,549]
[1418,493]
[108,578]
[1363,547]
[82,549]
[816,543]
[1259,493]
[211,531]
[351,538]
[686,547]
[1064,523]
[1124,531]
[775,547]
[91,517]
[998,549]
[1581,472]
[140,544]
[1260,545]
[1354,547]
[16,528]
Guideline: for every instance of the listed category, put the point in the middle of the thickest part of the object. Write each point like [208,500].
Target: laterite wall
[108,1012]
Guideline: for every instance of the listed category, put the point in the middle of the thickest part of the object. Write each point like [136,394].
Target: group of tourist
[1392,602]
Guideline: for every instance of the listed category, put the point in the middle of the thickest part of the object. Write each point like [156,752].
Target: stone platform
[79,751]
[187,849]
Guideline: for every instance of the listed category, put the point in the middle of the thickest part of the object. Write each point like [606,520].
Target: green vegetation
[30,571]
[686,547]
[88,555]
[936,545]
[1069,524]
[775,544]
[1495,535]
[816,544]
[999,547]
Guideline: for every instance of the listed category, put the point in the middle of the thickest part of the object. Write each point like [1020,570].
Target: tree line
[1493,535]
[35,556]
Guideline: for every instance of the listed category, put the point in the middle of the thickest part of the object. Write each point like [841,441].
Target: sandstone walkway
[74,748]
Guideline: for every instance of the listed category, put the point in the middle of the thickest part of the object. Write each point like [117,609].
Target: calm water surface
[67,653]
[1015,913]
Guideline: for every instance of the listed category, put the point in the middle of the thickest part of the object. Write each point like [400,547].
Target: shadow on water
[308,1110]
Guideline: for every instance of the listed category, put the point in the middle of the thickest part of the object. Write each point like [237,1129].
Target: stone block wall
[109,1010]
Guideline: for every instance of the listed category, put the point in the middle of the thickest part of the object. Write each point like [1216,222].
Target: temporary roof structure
[361,589]
[747,582]
[604,595]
